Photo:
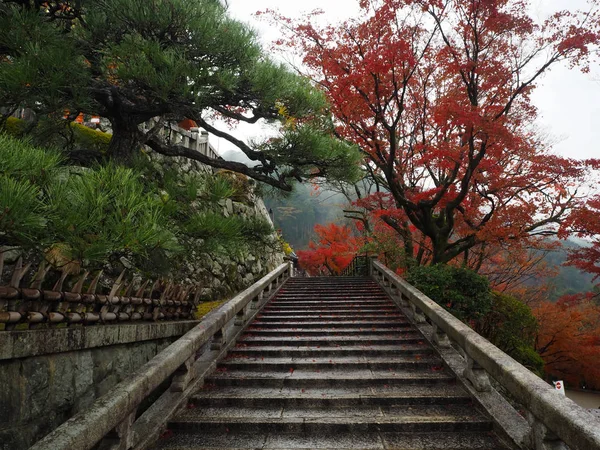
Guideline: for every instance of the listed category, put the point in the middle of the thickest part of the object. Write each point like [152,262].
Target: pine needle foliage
[130,61]
[106,212]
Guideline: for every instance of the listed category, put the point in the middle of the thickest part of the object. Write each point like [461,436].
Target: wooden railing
[550,420]
[114,420]
[35,305]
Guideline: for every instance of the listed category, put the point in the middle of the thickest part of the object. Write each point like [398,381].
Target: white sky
[568,101]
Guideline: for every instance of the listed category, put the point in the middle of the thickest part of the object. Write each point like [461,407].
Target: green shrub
[25,171]
[460,291]
[512,327]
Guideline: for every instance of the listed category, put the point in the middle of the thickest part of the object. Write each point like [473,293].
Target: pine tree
[135,60]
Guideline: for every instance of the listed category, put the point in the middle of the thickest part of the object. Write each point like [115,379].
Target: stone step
[332,331]
[336,341]
[337,311]
[437,394]
[418,418]
[332,296]
[317,303]
[323,351]
[321,441]
[188,440]
[309,318]
[269,365]
[328,378]
[365,325]
[327,306]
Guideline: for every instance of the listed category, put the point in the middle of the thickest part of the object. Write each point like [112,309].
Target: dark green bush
[460,291]
[512,327]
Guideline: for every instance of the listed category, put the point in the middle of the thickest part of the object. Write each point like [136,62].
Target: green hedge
[512,327]
[460,291]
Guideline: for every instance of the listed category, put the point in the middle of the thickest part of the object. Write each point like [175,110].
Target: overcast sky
[568,101]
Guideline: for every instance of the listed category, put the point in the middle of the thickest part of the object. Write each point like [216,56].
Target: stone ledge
[23,344]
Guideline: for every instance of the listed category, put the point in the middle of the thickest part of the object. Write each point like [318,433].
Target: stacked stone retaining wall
[46,376]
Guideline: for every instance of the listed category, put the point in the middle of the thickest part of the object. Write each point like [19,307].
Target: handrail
[113,415]
[550,414]
[359,266]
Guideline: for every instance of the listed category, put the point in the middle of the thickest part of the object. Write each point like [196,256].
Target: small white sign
[559,386]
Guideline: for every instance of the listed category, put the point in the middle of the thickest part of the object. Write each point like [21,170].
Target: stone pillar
[121,438]
[477,375]
[440,338]
[219,340]
[183,376]
[541,438]
[417,314]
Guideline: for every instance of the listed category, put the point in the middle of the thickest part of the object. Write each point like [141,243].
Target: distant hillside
[298,213]
[569,280]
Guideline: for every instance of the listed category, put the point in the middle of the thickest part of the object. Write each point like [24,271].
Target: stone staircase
[331,363]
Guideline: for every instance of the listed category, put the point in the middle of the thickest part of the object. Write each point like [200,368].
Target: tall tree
[135,60]
[437,94]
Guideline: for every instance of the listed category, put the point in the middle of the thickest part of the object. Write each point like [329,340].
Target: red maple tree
[331,254]
[437,95]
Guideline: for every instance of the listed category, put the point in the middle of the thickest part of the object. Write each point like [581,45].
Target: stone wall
[224,273]
[46,376]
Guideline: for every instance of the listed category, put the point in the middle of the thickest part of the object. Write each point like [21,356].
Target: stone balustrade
[114,421]
[551,421]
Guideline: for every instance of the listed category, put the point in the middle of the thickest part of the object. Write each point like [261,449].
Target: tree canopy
[135,60]
[437,95]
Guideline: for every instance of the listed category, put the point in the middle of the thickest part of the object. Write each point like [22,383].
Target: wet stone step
[329,341]
[304,379]
[323,441]
[330,318]
[330,298]
[363,324]
[350,420]
[324,398]
[313,311]
[322,351]
[407,328]
[274,365]
[320,303]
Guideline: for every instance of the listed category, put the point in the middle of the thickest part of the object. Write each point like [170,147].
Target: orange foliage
[569,340]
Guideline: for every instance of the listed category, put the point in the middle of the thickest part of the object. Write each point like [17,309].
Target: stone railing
[114,420]
[34,306]
[551,420]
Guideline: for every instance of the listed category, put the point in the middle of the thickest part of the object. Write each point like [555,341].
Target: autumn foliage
[437,95]
[568,340]
[333,251]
